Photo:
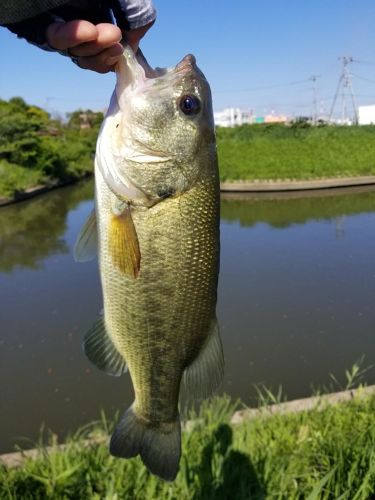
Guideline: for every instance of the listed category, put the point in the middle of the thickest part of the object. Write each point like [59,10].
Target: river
[296,304]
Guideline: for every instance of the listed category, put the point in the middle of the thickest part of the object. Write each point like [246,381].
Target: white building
[366,115]
[231,117]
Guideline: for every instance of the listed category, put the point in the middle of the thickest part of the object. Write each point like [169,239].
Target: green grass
[14,178]
[327,454]
[280,152]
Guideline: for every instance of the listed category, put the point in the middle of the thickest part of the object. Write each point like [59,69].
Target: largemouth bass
[156,224]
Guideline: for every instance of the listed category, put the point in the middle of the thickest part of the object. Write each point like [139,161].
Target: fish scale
[165,313]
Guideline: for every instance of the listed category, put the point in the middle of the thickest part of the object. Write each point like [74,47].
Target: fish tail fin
[158,445]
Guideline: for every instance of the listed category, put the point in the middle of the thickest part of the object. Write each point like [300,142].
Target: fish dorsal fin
[204,375]
[86,245]
[123,243]
[101,352]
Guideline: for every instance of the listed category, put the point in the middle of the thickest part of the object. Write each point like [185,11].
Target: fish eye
[190,105]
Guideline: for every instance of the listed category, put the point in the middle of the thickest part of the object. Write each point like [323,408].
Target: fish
[155,229]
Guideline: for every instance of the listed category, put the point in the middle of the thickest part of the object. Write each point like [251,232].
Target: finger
[108,36]
[62,36]
[101,63]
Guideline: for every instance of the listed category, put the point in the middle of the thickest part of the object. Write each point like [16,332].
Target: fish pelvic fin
[101,351]
[204,375]
[123,243]
[86,245]
[159,445]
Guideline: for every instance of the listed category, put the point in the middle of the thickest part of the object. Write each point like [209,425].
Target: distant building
[85,122]
[366,115]
[275,118]
[231,117]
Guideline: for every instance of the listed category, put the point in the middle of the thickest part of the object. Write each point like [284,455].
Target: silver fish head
[160,129]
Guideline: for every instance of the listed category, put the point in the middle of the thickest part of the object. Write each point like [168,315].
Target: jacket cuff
[133,14]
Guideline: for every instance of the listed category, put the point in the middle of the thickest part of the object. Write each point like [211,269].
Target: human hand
[95,47]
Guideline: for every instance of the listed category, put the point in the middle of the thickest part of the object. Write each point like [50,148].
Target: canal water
[296,304]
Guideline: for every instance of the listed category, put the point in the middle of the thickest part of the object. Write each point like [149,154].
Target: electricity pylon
[345,83]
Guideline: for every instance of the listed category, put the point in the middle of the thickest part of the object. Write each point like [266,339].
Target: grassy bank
[326,454]
[299,151]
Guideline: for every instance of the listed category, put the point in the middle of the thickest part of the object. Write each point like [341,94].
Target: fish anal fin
[204,375]
[123,244]
[86,245]
[101,351]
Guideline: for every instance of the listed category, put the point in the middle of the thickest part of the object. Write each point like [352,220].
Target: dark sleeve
[33,29]
[132,14]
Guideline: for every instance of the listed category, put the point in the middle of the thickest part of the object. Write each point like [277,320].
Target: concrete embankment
[269,186]
[293,185]
[299,405]
[305,404]
[37,190]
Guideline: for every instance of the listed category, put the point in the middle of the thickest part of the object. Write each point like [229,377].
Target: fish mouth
[188,63]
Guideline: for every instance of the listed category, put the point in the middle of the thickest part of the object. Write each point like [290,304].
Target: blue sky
[253,52]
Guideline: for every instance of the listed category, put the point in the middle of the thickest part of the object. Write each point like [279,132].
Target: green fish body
[157,222]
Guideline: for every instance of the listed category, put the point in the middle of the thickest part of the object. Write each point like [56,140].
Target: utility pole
[314,78]
[47,104]
[345,84]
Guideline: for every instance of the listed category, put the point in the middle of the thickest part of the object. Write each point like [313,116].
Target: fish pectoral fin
[86,246]
[123,244]
[204,375]
[101,351]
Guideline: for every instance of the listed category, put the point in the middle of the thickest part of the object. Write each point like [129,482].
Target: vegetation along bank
[37,150]
[323,453]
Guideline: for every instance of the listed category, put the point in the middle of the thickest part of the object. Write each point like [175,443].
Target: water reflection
[297,289]
[32,230]
[285,209]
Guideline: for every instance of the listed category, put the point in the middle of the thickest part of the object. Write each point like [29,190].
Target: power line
[264,87]
[366,63]
[363,78]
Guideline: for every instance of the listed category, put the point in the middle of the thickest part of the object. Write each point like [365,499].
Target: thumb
[62,36]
